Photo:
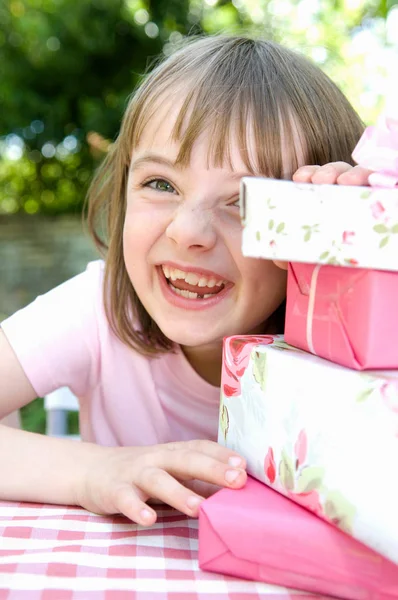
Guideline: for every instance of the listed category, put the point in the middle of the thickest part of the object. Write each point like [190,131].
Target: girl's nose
[192,227]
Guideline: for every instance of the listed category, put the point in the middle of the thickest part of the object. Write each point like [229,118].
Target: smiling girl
[138,337]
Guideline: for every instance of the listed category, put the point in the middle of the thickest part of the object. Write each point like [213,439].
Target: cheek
[266,277]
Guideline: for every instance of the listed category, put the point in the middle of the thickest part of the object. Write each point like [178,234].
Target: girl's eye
[160,185]
[235,203]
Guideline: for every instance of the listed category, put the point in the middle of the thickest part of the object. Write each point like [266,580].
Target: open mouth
[192,286]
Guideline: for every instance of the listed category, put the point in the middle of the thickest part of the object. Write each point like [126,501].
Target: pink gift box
[346,315]
[256,533]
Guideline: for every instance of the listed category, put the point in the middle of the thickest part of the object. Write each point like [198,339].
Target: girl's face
[182,244]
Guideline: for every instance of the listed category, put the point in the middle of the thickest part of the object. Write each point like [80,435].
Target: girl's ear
[281,264]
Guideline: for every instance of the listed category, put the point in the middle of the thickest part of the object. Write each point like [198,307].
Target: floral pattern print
[321,434]
[236,358]
[337,225]
[303,483]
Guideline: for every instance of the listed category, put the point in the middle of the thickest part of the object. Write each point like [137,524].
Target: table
[52,552]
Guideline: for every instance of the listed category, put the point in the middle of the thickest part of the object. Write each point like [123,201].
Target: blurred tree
[68,66]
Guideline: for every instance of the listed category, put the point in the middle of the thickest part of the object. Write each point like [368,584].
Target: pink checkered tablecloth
[66,553]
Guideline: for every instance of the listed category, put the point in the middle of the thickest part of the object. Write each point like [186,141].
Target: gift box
[321,434]
[256,533]
[326,224]
[348,316]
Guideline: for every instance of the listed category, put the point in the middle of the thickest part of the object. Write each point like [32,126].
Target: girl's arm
[104,480]
[34,467]
[337,172]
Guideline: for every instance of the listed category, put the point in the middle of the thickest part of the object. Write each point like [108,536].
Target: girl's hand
[122,480]
[337,172]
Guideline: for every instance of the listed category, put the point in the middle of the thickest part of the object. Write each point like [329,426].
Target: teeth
[186,294]
[202,282]
[191,278]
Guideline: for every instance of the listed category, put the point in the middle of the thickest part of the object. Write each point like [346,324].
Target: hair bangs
[238,115]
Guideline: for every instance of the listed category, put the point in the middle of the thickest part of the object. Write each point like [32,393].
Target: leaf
[258,236]
[224,421]
[260,368]
[280,228]
[394,228]
[286,471]
[310,479]
[365,195]
[339,511]
[384,242]
[306,227]
[307,236]
[271,223]
[324,255]
[380,228]
[364,395]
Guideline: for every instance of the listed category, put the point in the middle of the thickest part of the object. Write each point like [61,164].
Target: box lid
[326,224]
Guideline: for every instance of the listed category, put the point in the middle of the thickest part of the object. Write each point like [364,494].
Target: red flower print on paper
[237,352]
[389,392]
[348,237]
[300,483]
[303,483]
[300,448]
[270,466]
[378,210]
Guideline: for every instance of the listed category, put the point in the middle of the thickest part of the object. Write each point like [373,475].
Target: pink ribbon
[377,150]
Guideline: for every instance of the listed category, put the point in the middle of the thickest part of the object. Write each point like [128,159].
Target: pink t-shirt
[63,338]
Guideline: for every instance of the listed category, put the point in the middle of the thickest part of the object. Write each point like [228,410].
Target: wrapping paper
[327,224]
[348,316]
[321,434]
[256,533]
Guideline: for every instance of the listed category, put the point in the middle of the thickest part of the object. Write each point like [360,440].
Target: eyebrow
[150,157]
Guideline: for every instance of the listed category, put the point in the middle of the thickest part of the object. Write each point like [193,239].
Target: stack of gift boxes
[315,413]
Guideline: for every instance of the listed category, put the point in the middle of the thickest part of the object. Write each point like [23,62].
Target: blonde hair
[230,83]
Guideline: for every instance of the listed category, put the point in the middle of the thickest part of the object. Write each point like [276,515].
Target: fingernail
[231,476]
[193,502]
[235,461]
[146,514]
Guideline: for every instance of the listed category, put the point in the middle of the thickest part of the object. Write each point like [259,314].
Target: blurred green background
[67,68]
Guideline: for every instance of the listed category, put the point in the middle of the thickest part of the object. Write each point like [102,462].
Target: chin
[191,337]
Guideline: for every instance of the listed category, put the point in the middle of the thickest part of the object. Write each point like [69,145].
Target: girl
[138,338]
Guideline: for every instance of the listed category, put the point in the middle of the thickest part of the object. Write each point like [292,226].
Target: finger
[159,484]
[331,172]
[190,464]
[305,174]
[201,488]
[128,503]
[211,449]
[355,176]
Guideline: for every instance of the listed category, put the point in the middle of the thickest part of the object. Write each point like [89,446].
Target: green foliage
[33,418]
[68,66]
[47,185]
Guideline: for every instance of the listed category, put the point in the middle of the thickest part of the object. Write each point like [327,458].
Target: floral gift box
[321,434]
[325,224]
